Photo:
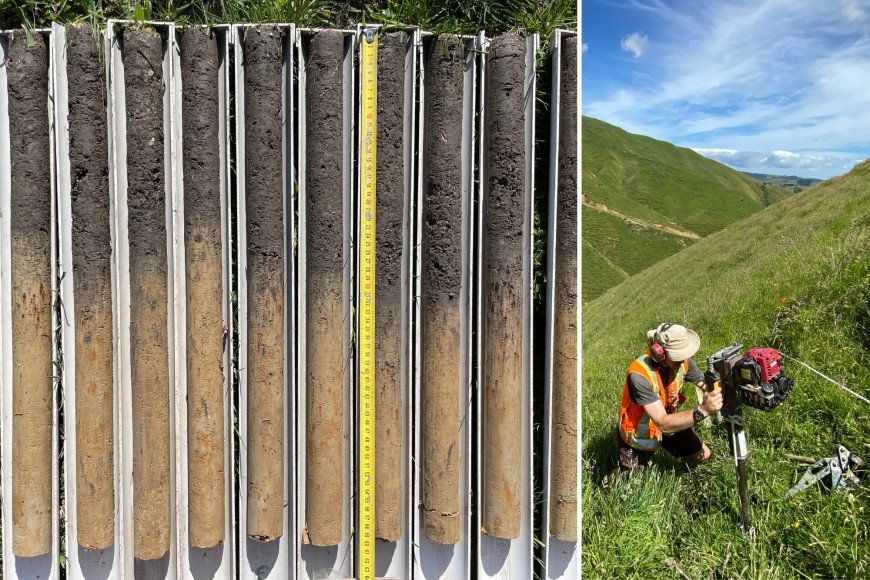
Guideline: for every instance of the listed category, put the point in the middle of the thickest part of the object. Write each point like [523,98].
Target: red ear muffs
[657,353]
[656,350]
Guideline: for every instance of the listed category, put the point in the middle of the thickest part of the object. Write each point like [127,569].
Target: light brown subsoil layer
[442,281]
[325,338]
[30,216]
[388,304]
[149,341]
[92,287]
[563,476]
[265,232]
[204,282]
[503,288]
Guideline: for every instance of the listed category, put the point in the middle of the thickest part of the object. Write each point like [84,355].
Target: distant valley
[792,182]
[645,199]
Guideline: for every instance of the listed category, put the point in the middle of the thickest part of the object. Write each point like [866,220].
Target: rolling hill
[646,199]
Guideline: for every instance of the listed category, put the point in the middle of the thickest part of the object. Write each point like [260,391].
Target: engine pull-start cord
[845,388]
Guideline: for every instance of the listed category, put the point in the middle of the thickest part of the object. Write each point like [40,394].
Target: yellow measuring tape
[368,158]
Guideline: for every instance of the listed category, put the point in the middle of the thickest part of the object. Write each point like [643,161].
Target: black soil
[146,225]
[263,152]
[202,236]
[29,141]
[92,283]
[442,275]
[567,235]
[390,166]
[506,124]
[146,183]
[325,158]
[30,215]
[201,124]
[88,152]
[389,216]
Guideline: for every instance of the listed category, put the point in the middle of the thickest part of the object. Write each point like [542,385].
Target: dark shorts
[680,444]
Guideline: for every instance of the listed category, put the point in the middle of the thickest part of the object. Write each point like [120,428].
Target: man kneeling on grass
[649,418]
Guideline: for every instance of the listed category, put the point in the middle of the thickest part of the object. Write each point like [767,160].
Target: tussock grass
[795,276]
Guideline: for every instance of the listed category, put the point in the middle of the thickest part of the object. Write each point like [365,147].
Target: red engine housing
[768,359]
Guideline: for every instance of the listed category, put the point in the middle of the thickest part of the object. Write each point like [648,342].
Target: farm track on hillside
[601,207]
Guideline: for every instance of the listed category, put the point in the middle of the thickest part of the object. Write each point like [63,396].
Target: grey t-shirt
[641,392]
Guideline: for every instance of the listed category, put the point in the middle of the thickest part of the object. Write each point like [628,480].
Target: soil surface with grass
[325,262]
[31,229]
[204,286]
[149,350]
[442,284]
[563,475]
[266,278]
[389,336]
[504,291]
[92,287]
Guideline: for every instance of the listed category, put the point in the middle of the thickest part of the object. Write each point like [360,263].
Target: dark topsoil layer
[201,134]
[390,164]
[30,149]
[325,157]
[88,152]
[146,180]
[567,237]
[263,153]
[442,277]
[506,123]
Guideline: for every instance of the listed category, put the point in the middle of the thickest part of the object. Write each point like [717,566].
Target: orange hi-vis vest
[636,428]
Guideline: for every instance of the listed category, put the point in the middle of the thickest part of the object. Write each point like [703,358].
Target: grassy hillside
[662,185]
[795,276]
[626,249]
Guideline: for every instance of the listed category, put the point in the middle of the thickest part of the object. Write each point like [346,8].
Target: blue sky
[768,86]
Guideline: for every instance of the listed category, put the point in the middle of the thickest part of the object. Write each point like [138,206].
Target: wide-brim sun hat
[679,342]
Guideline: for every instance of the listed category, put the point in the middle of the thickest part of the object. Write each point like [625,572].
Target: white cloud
[781,161]
[585,47]
[853,11]
[635,43]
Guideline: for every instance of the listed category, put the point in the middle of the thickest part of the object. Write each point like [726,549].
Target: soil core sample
[442,285]
[388,304]
[92,287]
[563,476]
[204,283]
[149,340]
[31,230]
[325,356]
[504,293]
[266,278]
